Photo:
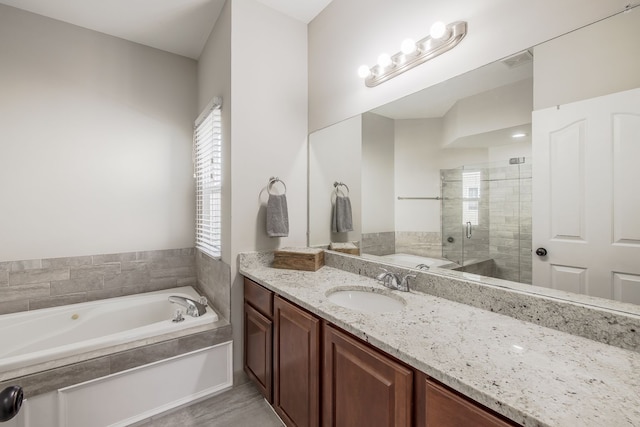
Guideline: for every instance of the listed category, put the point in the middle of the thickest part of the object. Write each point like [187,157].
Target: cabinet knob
[541,252]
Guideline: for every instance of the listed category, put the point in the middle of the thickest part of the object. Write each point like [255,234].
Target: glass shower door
[451,215]
[486,219]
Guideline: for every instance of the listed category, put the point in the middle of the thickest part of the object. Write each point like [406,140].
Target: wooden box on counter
[306,259]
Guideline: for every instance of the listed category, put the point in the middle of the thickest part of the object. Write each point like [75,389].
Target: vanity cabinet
[439,406]
[258,336]
[313,372]
[362,386]
[296,396]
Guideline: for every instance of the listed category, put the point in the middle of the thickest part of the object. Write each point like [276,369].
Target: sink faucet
[194,308]
[422,267]
[395,281]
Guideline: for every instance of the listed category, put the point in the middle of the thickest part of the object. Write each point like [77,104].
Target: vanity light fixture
[441,38]
[519,135]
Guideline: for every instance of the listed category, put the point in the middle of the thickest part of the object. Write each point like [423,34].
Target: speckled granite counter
[533,375]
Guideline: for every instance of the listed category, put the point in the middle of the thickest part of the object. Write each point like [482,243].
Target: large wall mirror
[524,170]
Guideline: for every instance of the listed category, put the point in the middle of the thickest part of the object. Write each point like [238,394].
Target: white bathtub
[36,336]
[411,261]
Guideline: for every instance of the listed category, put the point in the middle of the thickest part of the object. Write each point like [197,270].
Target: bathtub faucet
[194,308]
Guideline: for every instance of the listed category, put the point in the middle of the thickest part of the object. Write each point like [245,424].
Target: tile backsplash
[40,283]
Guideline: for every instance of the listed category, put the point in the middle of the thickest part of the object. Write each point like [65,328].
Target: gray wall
[96,142]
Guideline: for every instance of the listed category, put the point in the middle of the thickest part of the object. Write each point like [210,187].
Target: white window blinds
[207,160]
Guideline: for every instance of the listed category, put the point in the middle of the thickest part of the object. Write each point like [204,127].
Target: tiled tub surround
[428,244]
[33,284]
[214,279]
[41,283]
[534,375]
[383,243]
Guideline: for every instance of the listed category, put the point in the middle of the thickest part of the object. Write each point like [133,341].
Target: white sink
[365,299]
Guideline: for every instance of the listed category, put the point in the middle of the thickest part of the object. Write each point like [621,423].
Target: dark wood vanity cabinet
[296,396]
[362,386]
[293,357]
[258,336]
[439,406]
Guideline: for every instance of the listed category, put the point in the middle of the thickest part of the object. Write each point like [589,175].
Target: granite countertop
[534,375]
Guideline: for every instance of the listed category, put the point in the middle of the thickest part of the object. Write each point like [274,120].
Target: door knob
[541,252]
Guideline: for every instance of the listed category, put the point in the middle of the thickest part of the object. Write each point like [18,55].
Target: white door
[586,196]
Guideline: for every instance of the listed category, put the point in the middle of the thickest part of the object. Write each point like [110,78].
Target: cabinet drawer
[260,298]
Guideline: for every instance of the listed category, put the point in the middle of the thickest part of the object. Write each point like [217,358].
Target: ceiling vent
[518,59]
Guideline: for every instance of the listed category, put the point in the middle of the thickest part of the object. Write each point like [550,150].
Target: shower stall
[486,218]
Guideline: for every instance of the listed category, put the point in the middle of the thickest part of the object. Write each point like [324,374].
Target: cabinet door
[363,387]
[296,365]
[258,348]
[437,406]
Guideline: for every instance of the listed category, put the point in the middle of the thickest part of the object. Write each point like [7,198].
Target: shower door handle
[468,229]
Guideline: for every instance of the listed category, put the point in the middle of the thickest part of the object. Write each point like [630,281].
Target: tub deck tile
[143,355]
[44,382]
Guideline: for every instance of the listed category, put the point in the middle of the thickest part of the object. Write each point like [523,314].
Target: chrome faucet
[422,267]
[395,281]
[194,308]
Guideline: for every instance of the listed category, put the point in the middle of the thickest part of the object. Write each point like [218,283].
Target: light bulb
[438,29]
[408,46]
[384,60]
[364,71]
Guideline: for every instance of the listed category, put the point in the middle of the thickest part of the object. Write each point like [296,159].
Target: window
[470,197]
[207,164]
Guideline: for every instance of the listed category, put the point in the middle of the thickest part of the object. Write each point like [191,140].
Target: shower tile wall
[526,239]
[510,243]
[427,244]
[40,283]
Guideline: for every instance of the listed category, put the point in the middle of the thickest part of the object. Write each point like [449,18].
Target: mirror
[438,180]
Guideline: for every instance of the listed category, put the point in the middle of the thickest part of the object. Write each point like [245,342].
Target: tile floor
[242,406]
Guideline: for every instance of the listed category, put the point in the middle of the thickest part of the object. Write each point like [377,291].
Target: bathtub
[37,336]
[411,261]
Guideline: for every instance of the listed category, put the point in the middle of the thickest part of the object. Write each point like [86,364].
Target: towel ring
[341,184]
[272,181]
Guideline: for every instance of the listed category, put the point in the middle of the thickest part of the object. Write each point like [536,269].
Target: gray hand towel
[342,220]
[277,216]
